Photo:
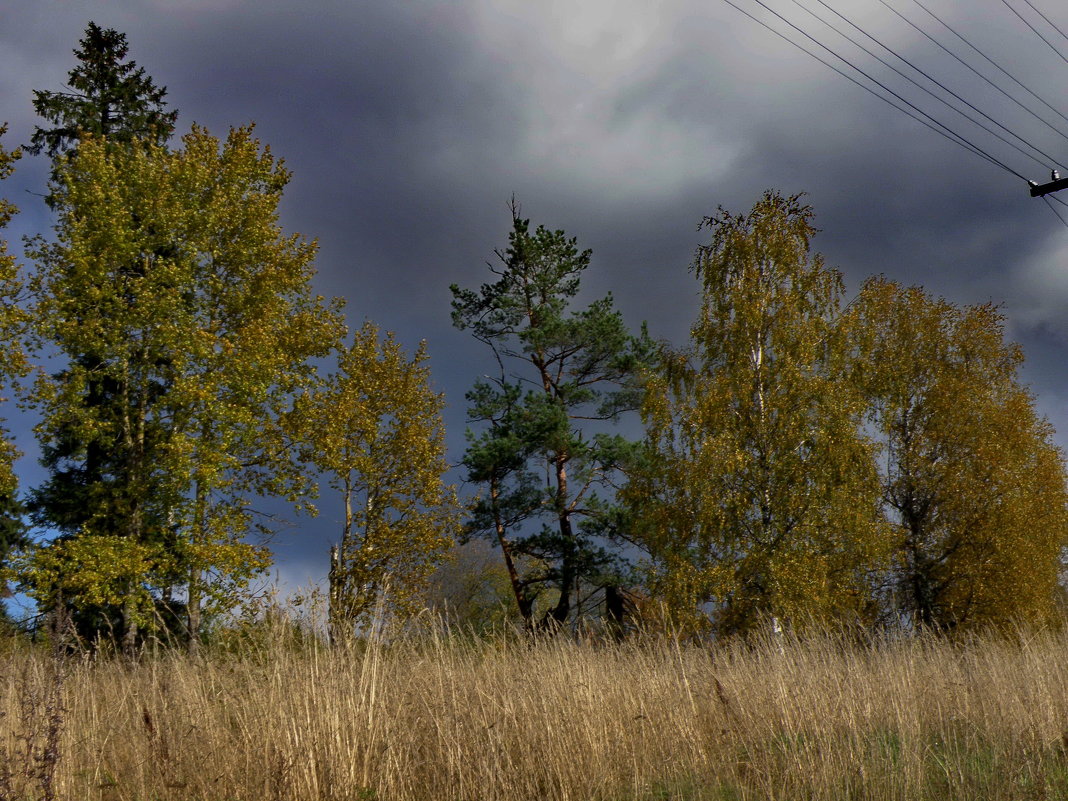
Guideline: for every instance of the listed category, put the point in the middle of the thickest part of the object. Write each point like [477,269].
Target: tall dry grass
[448,718]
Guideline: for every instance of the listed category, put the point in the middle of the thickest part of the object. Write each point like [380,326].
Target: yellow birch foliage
[973,484]
[374,430]
[758,495]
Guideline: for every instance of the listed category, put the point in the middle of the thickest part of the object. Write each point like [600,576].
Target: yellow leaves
[375,429]
[760,492]
[13,361]
[170,274]
[91,570]
[975,487]
[755,492]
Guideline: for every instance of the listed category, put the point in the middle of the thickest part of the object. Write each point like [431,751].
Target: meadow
[443,716]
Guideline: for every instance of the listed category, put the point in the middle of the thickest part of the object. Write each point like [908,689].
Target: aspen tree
[171,267]
[374,431]
[13,365]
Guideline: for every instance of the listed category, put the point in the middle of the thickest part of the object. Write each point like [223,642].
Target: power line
[945,49]
[930,122]
[937,126]
[993,63]
[1035,30]
[1049,159]
[1047,19]
[1059,215]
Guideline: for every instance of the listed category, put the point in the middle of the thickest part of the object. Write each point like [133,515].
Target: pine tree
[559,369]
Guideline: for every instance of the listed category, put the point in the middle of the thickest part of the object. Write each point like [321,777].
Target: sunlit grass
[451,718]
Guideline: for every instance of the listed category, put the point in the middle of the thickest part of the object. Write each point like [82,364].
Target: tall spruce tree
[560,370]
[96,484]
[107,96]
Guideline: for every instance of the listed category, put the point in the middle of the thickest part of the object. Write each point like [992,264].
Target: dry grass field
[451,718]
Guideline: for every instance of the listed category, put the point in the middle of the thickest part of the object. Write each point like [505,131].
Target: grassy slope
[444,719]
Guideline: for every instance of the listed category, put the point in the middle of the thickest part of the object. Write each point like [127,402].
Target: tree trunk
[557,616]
[614,611]
[195,574]
[129,628]
[335,621]
[525,604]
[193,612]
[339,614]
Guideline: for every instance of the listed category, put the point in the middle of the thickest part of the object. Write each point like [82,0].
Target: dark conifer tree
[98,482]
[561,369]
[106,96]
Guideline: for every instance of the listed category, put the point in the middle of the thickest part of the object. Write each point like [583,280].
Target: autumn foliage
[880,465]
[805,461]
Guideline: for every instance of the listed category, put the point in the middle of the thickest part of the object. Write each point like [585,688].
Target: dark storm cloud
[366,105]
[409,125]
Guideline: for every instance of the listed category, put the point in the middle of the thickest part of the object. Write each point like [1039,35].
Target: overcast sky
[408,125]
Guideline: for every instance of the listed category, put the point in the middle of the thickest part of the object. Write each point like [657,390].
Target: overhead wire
[952,134]
[963,62]
[1065,36]
[1047,19]
[1049,159]
[920,116]
[1054,210]
[924,118]
[1057,200]
[991,61]
[1035,30]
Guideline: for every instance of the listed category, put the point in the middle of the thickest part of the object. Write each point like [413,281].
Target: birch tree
[973,486]
[757,495]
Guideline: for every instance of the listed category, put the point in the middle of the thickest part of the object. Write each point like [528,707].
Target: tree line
[875,463]
[185,327]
